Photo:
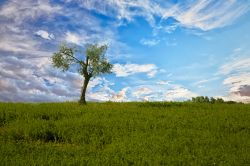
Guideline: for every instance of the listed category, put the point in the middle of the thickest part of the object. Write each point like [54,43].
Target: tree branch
[77,60]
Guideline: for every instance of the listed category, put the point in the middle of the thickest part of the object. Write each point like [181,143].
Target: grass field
[124,134]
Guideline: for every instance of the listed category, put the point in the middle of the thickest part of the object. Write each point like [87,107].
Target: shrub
[205,99]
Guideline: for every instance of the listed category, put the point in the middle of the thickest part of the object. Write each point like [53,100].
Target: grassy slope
[124,134]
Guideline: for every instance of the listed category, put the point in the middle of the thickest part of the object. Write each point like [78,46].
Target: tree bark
[84,88]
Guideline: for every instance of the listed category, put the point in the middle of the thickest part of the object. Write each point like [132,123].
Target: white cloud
[237,65]
[179,93]
[163,82]
[237,79]
[158,92]
[17,19]
[129,69]
[122,9]
[152,73]
[45,35]
[19,12]
[22,44]
[208,14]
[25,59]
[236,97]
[149,42]
[99,89]
[27,74]
[171,28]
[33,80]
[239,87]
[72,38]
[120,96]
[95,82]
[141,92]
[237,49]
[203,81]
[98,96]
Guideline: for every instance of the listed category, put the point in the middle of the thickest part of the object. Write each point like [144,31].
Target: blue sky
[161,50]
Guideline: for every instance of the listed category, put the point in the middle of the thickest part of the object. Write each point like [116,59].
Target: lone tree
[94,63]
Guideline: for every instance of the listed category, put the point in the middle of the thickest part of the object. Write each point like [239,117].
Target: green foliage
[95,63]
[64,58]
[212,100]
[202,99]
[150,133]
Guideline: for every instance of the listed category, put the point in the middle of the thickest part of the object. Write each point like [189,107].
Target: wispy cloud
[120,96]
[100,89]
[237,65]
[142,92]
[27,74]
[149,42]
[17,13]
[237,73]
[179,93]
[204,81]
[163,82]
[238,87]
[160,92]
[45,35]
[211,14]
[16,33]
[72,38]
[124,70]
[33,80]
[202,14]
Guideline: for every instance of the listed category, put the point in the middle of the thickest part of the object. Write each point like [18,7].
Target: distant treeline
[205,99]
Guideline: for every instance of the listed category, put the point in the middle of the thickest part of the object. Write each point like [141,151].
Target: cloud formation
[45,35]
[124,70]
[17,13]
[120,96]
[149,42]
[210,14]
[163,82]
[72,38]
[237,74]
[179,93]
[201,14]
[142,92]
[27,74]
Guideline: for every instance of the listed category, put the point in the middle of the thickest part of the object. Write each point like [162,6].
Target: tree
[212,100]
[206,99]
[94,63]
[202,99]
[219,100]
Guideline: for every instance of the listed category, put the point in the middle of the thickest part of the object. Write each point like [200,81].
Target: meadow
[136,133]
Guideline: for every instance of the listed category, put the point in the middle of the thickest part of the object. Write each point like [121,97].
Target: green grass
[124,134]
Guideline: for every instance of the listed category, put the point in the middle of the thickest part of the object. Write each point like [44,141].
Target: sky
[162,50]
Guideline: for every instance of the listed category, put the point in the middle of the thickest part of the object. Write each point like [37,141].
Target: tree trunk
[84,88]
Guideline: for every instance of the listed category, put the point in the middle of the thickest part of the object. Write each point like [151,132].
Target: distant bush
[205,99]
[233,102]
